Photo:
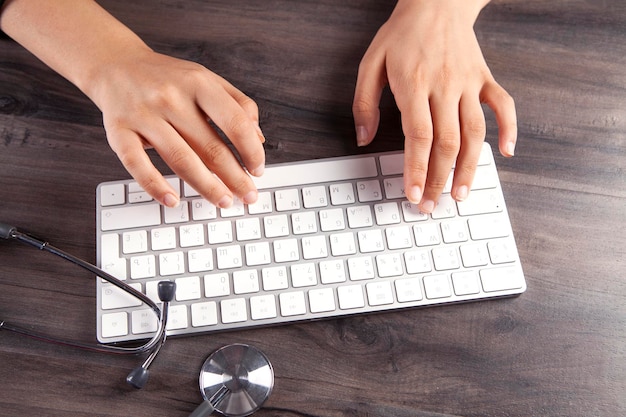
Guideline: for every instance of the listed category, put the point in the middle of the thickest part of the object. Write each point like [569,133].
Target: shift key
[128,217]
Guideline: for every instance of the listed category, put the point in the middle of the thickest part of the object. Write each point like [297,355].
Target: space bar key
[127,217]
[339,169]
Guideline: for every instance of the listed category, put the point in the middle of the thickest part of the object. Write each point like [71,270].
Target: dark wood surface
[557,350]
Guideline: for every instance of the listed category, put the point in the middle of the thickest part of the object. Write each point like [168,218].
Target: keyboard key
[359,217]
[114,324]
[287,200]
[502,251]
[332,220]
[191,235]
[178,214]
[257,253]
[262,205]
[216,285]
[303,275]
[371,241]
[379,293]
[248,229]
[387,213]
[417,261]
[408,290]
[446,258]
[500,279]
[480,202]
[411,213]
[275,278]
[112,195]
[314,197]
[350,297]
[398,237]
[369,191]
[322,300]
[276,226]
[360,268]
[188,288]
[394,188]
[171,263]
[292,303]
[233,310]
[314,247]
[113,297]
[163,238]
[203,210]
[437,286]
[128,217]
[262,307]
[332,271]
[389,265]
[341,194]
[304,223]
[204,314]
[286,250]
[465,283]
[235,210]
[392,164]
[144,321]
[229,257]
[220,232]
[200,260]
[245,282]
[489,226]
[142,267]
[342,244]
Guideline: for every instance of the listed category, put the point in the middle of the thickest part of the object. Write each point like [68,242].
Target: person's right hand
[153,100]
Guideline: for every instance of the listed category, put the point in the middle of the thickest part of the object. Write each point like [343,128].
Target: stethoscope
[235,380]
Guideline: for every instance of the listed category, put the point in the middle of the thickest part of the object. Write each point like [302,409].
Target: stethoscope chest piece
[235,381]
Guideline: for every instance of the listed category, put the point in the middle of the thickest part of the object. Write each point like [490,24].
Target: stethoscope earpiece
[235,381]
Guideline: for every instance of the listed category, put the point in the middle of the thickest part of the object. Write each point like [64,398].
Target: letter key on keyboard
[326,238]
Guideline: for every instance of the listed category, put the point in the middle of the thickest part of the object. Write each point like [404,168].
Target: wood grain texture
[557,350]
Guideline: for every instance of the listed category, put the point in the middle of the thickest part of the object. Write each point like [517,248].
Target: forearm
[76,38]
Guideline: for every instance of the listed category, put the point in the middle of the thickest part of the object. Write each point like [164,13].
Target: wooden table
[559,349]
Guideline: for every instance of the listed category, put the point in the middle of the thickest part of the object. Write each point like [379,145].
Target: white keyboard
[327,238]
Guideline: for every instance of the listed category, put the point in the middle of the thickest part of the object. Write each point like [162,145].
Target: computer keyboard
[326,238]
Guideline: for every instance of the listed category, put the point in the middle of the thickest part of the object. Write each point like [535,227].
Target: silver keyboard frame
[512,266]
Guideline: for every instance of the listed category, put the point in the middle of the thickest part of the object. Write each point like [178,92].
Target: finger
[185,161]
[445,148]
[129,148]
[371,80]
[240,129]
[503,106]
[418,137]
[473,130]
[247,104]
[214,154]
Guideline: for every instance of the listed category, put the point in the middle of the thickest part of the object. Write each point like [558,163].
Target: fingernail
[510,148]
[361,135]
[258,171]
[250,198]
[415,194]
[428,206]
[225,202]
[170,200]
[461,193]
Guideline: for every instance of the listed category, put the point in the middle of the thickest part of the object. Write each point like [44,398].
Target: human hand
[154,100]
[429,55]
